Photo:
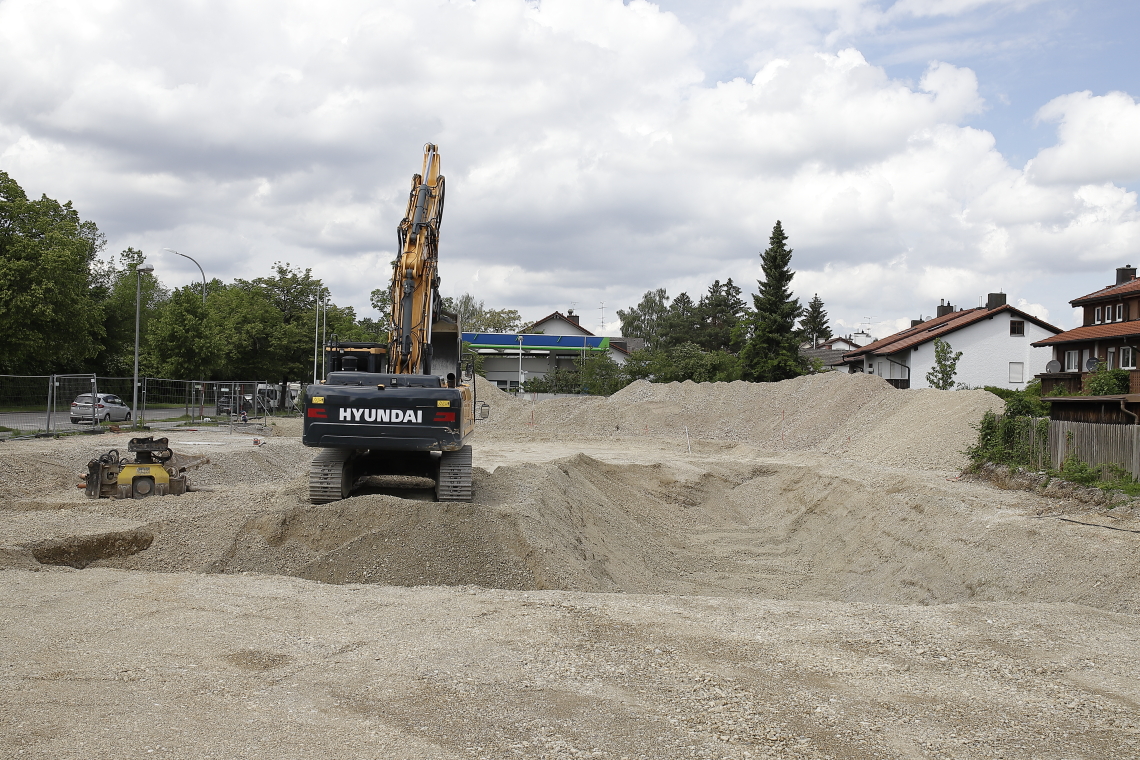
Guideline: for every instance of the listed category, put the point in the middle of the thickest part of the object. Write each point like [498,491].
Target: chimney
[570,315]
[915,322]
[944,308]
[1124,274]
[995,300]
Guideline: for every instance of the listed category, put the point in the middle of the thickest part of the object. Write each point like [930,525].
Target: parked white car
[108,408]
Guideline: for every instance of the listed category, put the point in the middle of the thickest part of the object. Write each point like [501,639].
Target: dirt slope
[854,416]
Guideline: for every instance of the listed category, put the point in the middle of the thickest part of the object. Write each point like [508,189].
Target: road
[36,421]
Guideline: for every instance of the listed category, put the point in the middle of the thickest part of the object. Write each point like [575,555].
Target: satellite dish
[1090,365]
[1053,367]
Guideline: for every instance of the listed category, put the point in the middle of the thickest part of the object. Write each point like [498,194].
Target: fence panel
[43,403]
[1096,444]
[25,403]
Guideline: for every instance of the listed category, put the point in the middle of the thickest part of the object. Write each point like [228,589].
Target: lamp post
[520,337]
[183,255]
[138,309]
[202,410]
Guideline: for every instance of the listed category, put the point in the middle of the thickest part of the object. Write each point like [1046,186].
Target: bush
[1023,403]
[1107,382]
[1007,440]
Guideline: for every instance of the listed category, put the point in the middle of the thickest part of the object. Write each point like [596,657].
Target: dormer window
[1119,312]
[1096,316]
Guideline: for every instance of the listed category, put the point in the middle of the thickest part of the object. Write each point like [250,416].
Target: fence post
[51,384]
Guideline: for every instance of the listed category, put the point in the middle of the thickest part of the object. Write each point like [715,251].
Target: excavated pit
[81,551]
[766,529]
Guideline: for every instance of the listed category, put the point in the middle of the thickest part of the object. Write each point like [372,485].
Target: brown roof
[937,327]
[1094,332]
[1109,293]
[557,315]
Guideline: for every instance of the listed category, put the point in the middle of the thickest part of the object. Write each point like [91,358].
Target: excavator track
[329,476]
[454,482]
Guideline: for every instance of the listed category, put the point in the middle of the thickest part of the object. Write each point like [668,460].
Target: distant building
[1109,333]
[555,340]
[998,344]
[830,352]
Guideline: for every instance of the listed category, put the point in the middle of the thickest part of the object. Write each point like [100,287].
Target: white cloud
[587,158]
[1099,140]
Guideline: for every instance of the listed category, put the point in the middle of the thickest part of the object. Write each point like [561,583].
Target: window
[1111,362]
[1096,318]
[1016,327]
[1119,312]
[1017,372]
[1127,358]
[1072,361]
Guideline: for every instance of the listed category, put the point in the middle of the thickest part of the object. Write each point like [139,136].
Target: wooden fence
[1095,444]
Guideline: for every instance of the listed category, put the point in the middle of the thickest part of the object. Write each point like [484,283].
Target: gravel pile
[852,416]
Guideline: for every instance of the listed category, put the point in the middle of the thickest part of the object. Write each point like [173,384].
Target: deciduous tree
[50,318]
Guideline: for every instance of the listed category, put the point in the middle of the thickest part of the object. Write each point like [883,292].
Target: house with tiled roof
[998,344]
[1109,333]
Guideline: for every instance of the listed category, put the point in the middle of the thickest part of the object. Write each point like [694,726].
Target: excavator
[407,407]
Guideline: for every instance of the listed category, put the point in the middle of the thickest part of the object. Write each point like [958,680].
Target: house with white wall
[996,341]
[553,341]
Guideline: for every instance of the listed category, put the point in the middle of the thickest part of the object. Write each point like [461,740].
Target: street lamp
[138,301]
[183,255]
[202,410]
[520,339]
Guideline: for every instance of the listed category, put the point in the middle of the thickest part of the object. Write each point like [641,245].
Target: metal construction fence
[45,403]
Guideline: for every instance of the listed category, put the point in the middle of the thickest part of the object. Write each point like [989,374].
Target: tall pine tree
[772,351]
[814,326]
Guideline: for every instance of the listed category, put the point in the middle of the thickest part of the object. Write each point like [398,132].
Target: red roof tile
[937,327]
[1094,332]
[1109,293]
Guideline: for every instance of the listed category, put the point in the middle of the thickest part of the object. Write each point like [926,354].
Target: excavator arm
[416,302]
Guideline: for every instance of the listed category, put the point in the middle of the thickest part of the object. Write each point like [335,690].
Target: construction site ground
[794,570]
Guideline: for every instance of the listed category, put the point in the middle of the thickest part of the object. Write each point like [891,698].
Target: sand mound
[775,531]
[852,416]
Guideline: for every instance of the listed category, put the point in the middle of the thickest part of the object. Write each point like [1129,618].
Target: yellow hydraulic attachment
[151,474]
[416,302]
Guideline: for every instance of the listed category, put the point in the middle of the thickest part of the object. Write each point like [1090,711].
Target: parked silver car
[108,408]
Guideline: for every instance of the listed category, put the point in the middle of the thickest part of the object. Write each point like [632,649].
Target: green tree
[178,343]
[941,375]
[686,361]
[720,311]
[474,316]
[771,349]
[116,291]
[558,380]
[680,324]
[814,326]
[50,316]
[295,294]
[246,330]
[644,320]
[601,375]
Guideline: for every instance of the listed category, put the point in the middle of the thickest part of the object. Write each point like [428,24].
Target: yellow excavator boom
[415,279]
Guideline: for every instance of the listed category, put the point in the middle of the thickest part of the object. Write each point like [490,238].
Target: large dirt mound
[778,531]
[852,416]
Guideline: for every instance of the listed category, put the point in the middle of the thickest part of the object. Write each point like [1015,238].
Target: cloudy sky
[914,150]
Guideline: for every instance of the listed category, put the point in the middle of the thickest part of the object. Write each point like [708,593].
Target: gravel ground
[748,593]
